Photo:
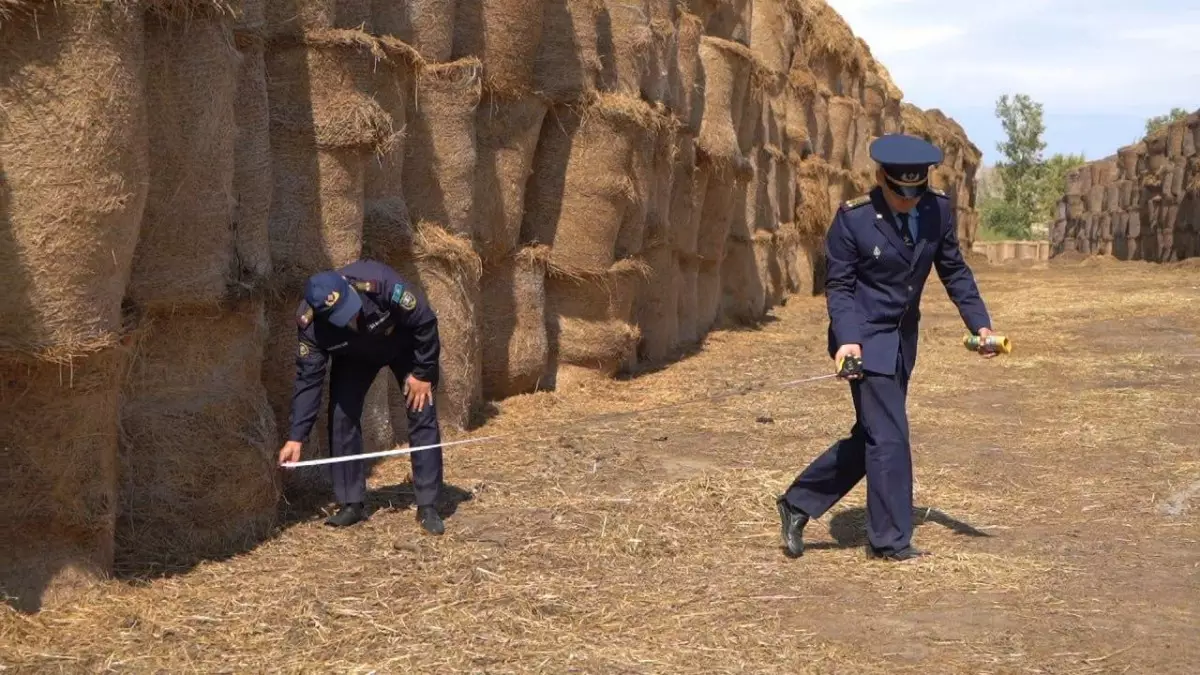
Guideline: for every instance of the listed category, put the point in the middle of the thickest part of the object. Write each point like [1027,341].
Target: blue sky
[1099,67]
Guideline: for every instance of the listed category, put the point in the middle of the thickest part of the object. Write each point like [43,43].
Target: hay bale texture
[574,185]
[1142,203]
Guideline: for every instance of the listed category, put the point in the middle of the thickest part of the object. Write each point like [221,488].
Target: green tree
[1155,123]
[1054,183]
[1022,168]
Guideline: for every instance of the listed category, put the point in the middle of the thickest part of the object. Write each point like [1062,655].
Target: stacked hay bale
[75,167]
[956,174]
[325,129]
[1141,204]
[197,474]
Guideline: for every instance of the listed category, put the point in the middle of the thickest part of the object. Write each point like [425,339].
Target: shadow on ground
[848,527]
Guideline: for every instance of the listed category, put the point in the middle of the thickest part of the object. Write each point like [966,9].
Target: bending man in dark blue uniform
[360,319]
[880,250]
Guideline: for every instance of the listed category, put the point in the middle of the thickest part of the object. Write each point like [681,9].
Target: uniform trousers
[349,382]
[877,448]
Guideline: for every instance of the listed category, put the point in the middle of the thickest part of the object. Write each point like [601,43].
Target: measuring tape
[849,367]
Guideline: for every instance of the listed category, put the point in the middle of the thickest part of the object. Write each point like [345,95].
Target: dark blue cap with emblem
[332,297]
[905,161]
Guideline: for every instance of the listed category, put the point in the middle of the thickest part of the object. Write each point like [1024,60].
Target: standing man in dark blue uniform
[879,251]
[360,319]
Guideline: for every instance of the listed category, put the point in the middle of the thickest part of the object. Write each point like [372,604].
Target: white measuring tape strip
[406,451]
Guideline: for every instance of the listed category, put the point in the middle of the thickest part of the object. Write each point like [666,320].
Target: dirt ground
[1058,488]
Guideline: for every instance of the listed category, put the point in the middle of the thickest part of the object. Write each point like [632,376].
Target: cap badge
[332,298]
[911,177]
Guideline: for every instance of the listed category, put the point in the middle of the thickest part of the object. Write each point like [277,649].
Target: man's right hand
[290,452]
[854,350]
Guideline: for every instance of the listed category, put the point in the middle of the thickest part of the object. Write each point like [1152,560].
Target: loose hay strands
[184,11]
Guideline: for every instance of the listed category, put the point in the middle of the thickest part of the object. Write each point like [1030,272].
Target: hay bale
[512,316]
[185,253]
[726,78]
[625,51]
[720,206]
[685,76]
[199,440]
[252,179]
[427,25]
[687,287]
[726,19]
[842,113]
[656,76]
[661,194]
[59,483]
[743,296]
[383,184]
[73,156]
[324,124]
[439,167]
[708,296]
[568,64]
[658,306]
[589,319]
[507,134]
[505,36]
[581,189]
[773,34]
[688,187]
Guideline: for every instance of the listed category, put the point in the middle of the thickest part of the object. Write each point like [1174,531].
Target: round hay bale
[507,135]
[199,440]
[708,296]
[720,206]
[726,19]
[687,286]
[726,78]
[581,188]
[685,75]
[300,16]
[568,64]
[185,253]
[658,306]
[512,317]
[323,126]
[59,483]
[439,167]
[773,34]
[625,46]
[75,168]
[656,76]
[252,178]
[505,36]
[661,193]
[842,113]
[743,295]
[687,197]
[383,185]
[589,319]
[426,25]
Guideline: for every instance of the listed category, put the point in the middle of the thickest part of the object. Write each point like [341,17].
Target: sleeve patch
[305,318]
[304,350]
[408,301]
[397,293]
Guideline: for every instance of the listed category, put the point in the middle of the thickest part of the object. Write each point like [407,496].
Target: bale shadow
[848,527]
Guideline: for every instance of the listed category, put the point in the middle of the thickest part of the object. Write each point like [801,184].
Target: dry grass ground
[1059,489]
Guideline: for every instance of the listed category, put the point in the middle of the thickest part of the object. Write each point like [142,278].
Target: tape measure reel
[850,367]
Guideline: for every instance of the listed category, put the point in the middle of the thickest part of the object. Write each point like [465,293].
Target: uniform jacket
[873,282]
[396,323]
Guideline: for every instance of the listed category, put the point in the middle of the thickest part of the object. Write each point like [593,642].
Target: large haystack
[75,168]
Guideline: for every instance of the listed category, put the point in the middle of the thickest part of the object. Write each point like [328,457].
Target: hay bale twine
[581,189]
[512,316]
[75,167]
[440,161]
[589,322]
[505,36]
[199,441]
[324,124]
[726,78]
[427,25]
[252,179]
[685,75]
[687,286]
[708,296]
[507,135]
[59,483]
[185,253]
[658,305]
[625,48]
[568,64]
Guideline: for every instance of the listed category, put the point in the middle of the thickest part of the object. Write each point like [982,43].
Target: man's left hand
[985,353]
[417,393]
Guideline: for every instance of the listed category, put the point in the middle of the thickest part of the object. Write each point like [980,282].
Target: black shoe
[791,522]
[906,553]
[430,520]
[348,515]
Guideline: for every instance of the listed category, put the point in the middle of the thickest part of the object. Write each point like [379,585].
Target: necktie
[905,233]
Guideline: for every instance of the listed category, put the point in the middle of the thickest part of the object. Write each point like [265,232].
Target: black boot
[430,520]
[348,515]
[792,522]
[907,553]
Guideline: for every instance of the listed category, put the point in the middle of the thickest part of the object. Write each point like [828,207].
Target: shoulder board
[856,202]
[366,285]
[304,318]
[937,192]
